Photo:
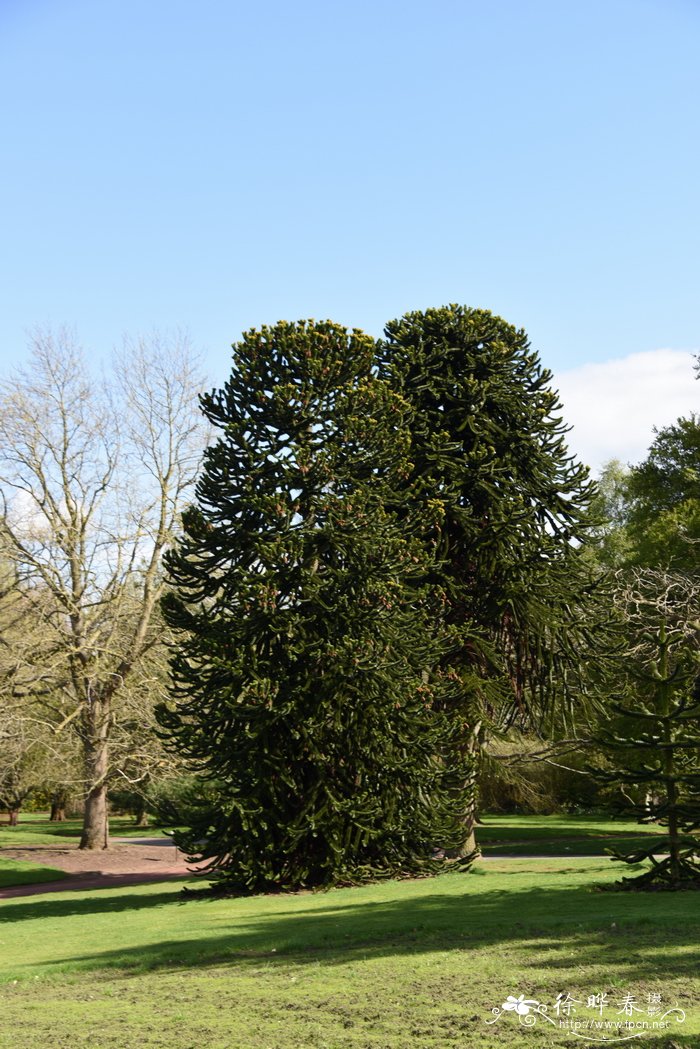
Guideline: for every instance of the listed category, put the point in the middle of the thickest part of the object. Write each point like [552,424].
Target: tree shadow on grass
[546,924]
[96,903]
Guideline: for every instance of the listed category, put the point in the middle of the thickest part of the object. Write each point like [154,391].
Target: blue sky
[221,165]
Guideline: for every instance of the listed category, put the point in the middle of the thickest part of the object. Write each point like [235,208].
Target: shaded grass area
[389,966]
[561,835]
[16,872]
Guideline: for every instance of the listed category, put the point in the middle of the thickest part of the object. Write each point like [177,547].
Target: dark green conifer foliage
[653,738]
[305,686]
[502,504]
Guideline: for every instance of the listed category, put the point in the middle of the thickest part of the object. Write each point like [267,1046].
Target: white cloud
[26,517]
[613,406]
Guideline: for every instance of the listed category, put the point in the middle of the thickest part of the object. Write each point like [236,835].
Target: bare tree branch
[93,477]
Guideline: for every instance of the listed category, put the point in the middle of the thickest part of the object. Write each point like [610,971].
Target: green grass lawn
[416,964]
[15,872]
[37,829]
[397,965]
[512,835]
[560,835]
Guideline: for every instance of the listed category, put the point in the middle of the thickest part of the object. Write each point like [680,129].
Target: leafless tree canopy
[93,477]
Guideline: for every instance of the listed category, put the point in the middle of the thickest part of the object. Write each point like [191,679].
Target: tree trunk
[142,814]
[669,763]
[58,807]
[674,846]
[469,845]
[96,755]
[14,817]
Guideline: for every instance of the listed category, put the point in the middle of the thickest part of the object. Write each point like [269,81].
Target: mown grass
[37,829]
[16,872]
[512,835]
[561,835]
[416,964]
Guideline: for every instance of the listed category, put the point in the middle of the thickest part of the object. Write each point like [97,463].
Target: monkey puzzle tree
[307,680]
[653,735]
[502,506]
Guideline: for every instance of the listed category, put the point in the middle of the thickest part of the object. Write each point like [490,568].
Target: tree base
[641,885]
[663,876]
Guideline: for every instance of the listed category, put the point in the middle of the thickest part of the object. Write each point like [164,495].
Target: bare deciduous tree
[93,476]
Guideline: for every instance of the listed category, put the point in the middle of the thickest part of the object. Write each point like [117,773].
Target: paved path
[166,841]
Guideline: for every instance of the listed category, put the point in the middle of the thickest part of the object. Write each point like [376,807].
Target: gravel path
[126,862]
[130,861]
